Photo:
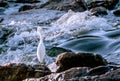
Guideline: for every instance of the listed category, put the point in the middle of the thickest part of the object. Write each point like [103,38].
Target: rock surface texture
[65,5]
[84,67]
[68,60]
[18,72]
[109,4]
[117,12]
[101,73]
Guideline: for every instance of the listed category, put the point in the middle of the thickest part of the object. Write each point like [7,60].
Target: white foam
[74,22]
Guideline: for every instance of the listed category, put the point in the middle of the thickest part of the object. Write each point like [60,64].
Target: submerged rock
[68,60]
[99,11]
[3,4]
[5,33]
[117,12]
[26,7]
[54,51]
[18,72]
[1,19]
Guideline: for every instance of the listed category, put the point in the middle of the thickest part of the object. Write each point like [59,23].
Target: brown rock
[68,60]
[99,11]
[101,73]
[65,5]
[18,72]
[77,5]
[63,76]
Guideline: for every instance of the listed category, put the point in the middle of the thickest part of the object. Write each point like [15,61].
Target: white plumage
[41,52]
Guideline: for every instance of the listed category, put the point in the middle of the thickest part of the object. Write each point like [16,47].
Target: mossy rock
[54,51]
[1,50]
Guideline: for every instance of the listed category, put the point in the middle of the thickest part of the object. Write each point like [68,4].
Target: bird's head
[40,32]
[39,29]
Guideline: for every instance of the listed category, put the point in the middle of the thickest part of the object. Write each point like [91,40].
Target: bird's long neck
[41,38]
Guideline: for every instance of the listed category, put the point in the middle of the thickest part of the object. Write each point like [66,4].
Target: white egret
[41,52]
[42,56]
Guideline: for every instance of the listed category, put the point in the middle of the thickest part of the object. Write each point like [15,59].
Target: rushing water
[75,31]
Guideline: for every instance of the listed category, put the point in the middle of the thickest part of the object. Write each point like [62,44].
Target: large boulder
[18,72]
[68,60]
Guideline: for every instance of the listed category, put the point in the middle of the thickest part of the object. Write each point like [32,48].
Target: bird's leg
[43,63]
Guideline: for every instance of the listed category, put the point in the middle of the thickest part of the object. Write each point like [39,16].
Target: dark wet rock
[109,4]
[110,76]
[5,33]
[117,12]
[65,5]
[1,50]
[3,4]
[22,1]
[68,60]
[63,76]
[2,10]
[26,7]
[41,67]
[73,72]
[99,11]
[27,1]
[1,19]
[18,72]
[98,70]
[75,6]
[81,74]
[54,51]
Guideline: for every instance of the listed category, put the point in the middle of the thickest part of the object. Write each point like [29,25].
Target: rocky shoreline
[18,72]
[71,66]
